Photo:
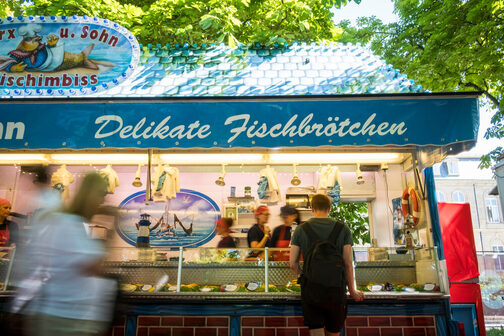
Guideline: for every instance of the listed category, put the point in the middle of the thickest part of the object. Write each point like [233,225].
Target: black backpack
[324,265]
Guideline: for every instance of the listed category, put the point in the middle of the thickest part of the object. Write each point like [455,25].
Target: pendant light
[295,179]
[220,181]
[137,183]
[360,179]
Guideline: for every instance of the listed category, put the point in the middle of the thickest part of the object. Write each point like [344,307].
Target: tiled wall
[277,326]
[119,327]
[273,326]
[390,326]
[183,326]
[355,326]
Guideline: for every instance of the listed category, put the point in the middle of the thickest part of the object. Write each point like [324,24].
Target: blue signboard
[237,123]
[187,220]
[54,56]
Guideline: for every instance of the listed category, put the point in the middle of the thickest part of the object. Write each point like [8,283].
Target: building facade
[459,180]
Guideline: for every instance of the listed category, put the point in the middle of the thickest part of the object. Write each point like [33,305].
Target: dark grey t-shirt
[323,228]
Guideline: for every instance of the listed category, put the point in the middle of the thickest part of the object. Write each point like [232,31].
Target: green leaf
[232,41]
[206,23]
[221,38]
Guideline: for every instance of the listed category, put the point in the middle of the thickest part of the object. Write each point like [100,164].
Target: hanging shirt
[166,183]
[328,176]
[111,178]
[60,181]
[273,190]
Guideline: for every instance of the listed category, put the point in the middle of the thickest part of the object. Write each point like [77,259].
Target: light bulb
[360,179]
[137,182]
[220,180]
[295,179]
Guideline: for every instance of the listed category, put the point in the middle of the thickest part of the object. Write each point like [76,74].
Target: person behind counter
[259,234]
[224,229]
[282,234]
[8,230]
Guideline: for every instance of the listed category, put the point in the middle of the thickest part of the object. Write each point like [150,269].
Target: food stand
[383,145]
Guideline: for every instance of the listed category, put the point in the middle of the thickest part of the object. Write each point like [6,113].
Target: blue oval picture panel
[55,56]
[187,220]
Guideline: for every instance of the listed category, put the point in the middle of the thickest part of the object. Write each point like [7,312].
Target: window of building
[436,169]
[492,208]
[498,249]
[440,196]
[452,167]
[446,168]
[498,257]
[458,197]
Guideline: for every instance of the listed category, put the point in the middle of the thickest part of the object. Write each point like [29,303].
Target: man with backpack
[326,246]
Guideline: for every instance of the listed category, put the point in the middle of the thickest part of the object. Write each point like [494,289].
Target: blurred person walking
[72,297]
[223,229]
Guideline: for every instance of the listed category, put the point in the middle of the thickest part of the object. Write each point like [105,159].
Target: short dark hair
[228,221]
[320,202]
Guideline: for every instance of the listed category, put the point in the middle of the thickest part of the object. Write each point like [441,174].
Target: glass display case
[7,255]
[392,271]
[209,272]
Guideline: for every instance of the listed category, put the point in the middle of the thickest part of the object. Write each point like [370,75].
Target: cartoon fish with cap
[32,54]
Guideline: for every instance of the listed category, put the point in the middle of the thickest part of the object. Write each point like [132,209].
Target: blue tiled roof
[298,69]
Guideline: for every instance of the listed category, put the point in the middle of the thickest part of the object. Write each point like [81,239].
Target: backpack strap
[338,227]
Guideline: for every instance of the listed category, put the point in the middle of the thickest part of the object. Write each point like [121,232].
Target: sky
[383,9]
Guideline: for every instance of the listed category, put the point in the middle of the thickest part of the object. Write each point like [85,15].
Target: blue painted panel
[466,313]
[225,124]
[433,211]
[235,311]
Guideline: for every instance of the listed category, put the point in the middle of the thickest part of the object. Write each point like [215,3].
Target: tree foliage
[445,45]
[355,216]
[202,21]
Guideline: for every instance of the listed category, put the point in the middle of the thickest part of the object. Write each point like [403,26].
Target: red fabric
[20,54]
[469,293]
[461,329]
[4,237]
[282,255]
[260,210]
[458,241]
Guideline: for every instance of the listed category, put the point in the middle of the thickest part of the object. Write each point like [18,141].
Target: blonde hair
[91,183]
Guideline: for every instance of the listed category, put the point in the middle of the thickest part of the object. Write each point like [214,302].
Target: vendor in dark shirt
[8,230]
[224,229]
[259,234]
[282,234]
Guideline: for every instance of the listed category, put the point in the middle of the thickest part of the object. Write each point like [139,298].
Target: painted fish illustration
[32,54]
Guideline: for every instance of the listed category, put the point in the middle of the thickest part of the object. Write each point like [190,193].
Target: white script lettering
[112,124]
[305,126]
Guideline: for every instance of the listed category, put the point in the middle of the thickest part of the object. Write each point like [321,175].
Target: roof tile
[296,69]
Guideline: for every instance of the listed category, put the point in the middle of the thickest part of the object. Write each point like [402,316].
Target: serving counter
[219,291]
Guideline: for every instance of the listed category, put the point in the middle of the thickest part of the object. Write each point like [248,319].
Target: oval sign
[187,220]
[62,56]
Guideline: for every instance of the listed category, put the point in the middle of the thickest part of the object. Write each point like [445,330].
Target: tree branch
[493,99]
